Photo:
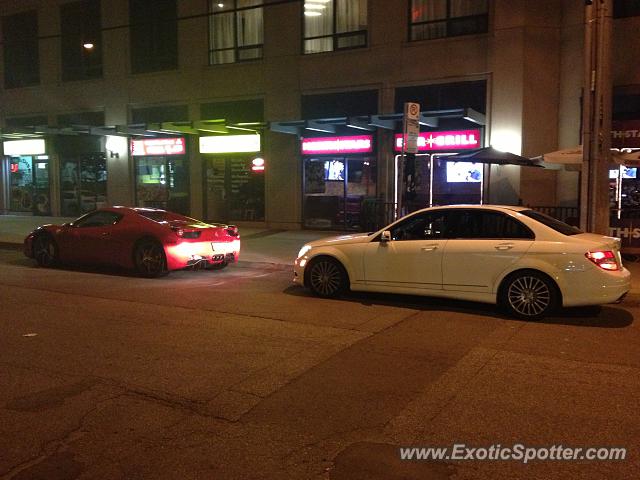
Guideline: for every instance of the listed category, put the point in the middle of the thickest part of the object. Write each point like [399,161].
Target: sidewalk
[276,247]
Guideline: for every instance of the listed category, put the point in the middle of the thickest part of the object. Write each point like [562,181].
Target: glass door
[324,193]
[83,184]
[234,191]
[163,182]
[29,189]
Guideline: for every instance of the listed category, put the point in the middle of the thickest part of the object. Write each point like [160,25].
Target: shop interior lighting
[312,13]
[314,6]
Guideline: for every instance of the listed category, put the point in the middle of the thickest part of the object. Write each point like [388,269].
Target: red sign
[158,146]
[257,164]
[625,134]
[329,145]
[446,140]
[14,168]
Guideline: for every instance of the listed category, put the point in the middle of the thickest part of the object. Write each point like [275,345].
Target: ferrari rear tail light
[605,259]
[182,233]
[232,230]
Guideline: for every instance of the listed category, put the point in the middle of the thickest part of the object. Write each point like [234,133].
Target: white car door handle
[504,246]
[429,248]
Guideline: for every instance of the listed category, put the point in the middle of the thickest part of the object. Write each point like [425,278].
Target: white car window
[424,226]
[487,224]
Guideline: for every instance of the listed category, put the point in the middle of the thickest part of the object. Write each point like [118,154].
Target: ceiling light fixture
[312,13]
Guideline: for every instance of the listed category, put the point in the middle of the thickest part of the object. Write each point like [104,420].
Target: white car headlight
[304,250]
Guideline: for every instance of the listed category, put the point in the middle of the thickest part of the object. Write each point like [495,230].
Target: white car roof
[513,208]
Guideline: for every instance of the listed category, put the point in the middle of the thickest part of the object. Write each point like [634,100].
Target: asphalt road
[236,374]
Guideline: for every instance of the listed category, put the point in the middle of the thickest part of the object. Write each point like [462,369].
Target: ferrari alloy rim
[326,278]
[44,251]
[150,259]
[529,296]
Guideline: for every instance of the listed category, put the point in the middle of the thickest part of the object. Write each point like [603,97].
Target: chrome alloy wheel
[326,278]
[529,296]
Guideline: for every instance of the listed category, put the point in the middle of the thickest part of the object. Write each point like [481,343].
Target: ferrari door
[91,237]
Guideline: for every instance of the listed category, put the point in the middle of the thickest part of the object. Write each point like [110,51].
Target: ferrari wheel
[45,251]
[149,259]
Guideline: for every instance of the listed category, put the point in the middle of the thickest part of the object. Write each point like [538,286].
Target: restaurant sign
[625,134]
[337,145]
[445,140]
[158,146]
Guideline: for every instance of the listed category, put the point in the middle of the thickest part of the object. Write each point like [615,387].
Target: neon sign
[446,140]
[257,164]
[158,146]
[230,144]
[14,168]
[330,145]
[625,134]
[34,146]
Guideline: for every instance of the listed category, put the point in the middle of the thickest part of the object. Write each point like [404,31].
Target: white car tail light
[605,259]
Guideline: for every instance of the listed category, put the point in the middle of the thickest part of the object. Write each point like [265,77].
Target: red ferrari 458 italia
[151,241]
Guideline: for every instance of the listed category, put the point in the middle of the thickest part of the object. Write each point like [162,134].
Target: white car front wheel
[326,277]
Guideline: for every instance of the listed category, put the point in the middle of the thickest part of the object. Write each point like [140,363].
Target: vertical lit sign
[331,145]
[158,146]
[445,140]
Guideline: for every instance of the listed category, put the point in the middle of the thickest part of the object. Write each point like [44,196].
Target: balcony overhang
[217,126]
[392,121]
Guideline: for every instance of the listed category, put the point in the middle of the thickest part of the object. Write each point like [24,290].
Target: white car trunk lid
[601,242]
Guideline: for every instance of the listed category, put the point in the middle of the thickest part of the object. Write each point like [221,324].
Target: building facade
[287,113]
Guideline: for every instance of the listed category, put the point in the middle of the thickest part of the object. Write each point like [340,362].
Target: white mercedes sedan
[518,258]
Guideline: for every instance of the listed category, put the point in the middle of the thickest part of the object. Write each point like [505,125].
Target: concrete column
[283,164]
[196,177]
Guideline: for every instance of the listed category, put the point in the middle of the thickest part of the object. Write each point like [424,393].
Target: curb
[11,245]
[265,265]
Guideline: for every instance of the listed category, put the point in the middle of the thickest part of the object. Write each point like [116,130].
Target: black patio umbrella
[496,157]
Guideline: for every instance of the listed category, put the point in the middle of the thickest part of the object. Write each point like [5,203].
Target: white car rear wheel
[529,295]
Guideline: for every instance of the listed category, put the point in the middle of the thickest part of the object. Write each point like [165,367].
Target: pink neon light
[14,168]
[329,145]
[158,146]
[446,140]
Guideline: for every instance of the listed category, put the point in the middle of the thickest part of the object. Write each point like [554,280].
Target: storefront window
[83,183]
[336,191]
[334,25]
[30,190]
[163,182]
[234,190]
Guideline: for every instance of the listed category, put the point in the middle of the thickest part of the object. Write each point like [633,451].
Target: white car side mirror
[385,237]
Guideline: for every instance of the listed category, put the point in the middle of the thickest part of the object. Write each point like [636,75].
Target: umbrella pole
[482,187]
